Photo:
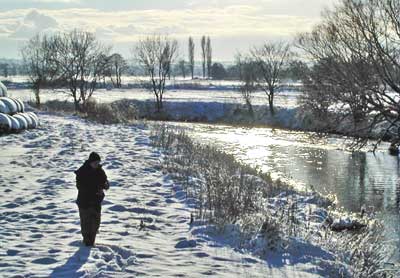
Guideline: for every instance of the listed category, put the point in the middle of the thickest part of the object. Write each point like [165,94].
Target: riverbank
[217,112]
[281,218]
[237,114]
[40,222]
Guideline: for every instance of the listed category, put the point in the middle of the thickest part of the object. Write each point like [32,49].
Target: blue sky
[233,25]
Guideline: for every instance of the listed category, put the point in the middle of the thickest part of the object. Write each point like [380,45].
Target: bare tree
[38,56]
[203,54]
[191,56]
[156,54]
[5,69]
[80,58]
[106,71]
[209,57]
[248,78]
[182,67]
[271,59]
[360,39]
[118,66]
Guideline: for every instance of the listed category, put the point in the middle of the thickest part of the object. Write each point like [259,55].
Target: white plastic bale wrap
[11,104]
[34,118]
[4,108]
[23,124]
[5,122]
[3,90]
[12,116]
[19,105]
[22,105]
[28,119]
[15,126]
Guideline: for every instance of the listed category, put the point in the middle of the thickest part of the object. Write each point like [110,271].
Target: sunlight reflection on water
[357,179]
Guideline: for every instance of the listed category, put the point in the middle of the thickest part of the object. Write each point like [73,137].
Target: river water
[360,179]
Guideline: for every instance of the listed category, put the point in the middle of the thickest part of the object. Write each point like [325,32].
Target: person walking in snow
[91,181]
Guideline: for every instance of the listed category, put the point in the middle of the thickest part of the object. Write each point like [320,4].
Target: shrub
[121,111]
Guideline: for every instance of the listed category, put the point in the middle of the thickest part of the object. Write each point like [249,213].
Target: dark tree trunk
[271,102]
[36,90]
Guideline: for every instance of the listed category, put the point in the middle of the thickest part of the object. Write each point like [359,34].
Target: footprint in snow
[45,261]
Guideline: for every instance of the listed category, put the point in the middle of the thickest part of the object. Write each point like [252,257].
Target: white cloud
[33,22]
[226,21]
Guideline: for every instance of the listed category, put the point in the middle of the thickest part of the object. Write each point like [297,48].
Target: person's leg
[85,217]
[98,218]
[95,223]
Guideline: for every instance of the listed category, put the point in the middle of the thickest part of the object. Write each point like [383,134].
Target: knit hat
[94,157]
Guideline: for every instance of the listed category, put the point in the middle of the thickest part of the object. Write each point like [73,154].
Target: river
[359,179]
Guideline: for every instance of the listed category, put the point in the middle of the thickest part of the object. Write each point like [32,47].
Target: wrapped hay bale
[21,120]
[5,123]
[11,104]
[34,118]
[20,105]
[3,90]
[4,108]
[15,126]
[12,116]
[33,115]
[18,122]
[28,119]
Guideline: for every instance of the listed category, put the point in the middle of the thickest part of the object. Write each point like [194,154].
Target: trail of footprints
[39,223]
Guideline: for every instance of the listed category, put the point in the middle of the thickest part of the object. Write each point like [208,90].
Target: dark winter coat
[90,183]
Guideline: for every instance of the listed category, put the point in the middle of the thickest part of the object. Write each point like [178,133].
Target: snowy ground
[39,223]
[284,99]
[128,79]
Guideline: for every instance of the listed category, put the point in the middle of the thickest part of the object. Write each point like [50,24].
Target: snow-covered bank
[39,222]
[222,112]
[231,113]
[279,221]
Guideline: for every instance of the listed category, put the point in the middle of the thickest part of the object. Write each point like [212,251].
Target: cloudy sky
[232,24]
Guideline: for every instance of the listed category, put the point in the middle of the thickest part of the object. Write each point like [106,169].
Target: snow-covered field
[179,80]
[39,222]
[283,99]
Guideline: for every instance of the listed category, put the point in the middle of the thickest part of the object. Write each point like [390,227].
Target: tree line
[75,60]
[356,68]
[352,69]
[78,62]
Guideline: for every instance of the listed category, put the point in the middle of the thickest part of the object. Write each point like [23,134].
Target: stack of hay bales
[13,117]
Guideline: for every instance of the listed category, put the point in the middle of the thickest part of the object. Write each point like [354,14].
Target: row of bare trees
[206,55]
[75,60]
[357,54]
[206,58]
[261,69]
[79,62]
